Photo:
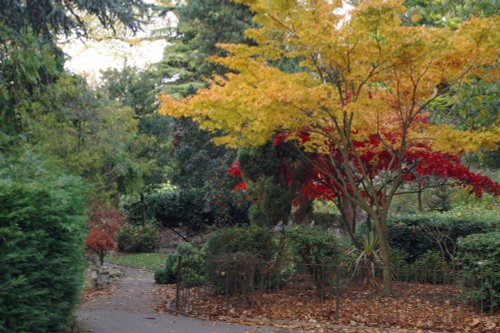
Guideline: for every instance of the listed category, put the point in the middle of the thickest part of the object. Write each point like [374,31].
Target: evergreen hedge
[139,238]
[193,270]
[479,255]
[42,228]
[178,207]
[252,239]
[408,232]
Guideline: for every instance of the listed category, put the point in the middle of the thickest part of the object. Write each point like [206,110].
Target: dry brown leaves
[90,294]
[413,307]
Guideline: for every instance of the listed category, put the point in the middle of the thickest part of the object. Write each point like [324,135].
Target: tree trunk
[302,213]
[419,199]
[348,211]
[143,210]
[349,214]
[381,227]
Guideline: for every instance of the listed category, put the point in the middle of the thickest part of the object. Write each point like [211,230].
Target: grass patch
[146,261]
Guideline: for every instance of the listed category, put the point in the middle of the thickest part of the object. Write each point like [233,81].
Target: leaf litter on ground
[413,308]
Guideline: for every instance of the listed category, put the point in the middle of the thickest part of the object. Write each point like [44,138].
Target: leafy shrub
[317,250]
[42,228]
[100,242]
[326,220]
[168,275]
[104,223]
[108,219]
[241,250]
[235,273]
[172,208]
[399,264]
[247,239]
[162,277]
[479,256]
[192,261]
[398,258]
[430,268]
[139,238]
[313,246]
[411,232]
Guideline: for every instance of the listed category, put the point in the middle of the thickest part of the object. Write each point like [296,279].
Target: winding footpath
[130,309]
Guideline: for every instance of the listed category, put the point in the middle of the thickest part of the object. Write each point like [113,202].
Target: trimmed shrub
[139,238]
[104,223]
[317,250]
[191,208]
[172,208]
[100,242]
[313,246]
[161,277]
[240,250]
[430,268]
[237,273]
[326,220]
[108,219]
[411,232]
[42,228]
[479,256]
[192,260]
[247,239]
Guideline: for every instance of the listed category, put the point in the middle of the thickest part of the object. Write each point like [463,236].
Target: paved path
[130,310]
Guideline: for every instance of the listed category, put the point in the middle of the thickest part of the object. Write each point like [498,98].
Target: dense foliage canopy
[361,97]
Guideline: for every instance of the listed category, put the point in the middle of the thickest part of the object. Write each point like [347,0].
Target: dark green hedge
[186,207]
[313,246]
[42,228]
[171,208]
[139,238]
[326,220]
[236,256]
[479,255]
[193,268]
[408,232]
[252,239]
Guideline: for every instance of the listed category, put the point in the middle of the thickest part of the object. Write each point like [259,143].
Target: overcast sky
[89,57]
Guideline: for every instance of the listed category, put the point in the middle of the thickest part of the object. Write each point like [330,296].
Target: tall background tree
[472,104]
[55,113]
[29,56]
[360,101]
[62,144]
[199,164]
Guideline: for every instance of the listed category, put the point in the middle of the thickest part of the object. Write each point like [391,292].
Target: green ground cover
[146,261]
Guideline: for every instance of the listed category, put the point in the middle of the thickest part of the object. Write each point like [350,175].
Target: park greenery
[281,131]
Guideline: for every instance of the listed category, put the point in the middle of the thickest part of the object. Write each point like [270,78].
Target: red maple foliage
[100,242]
[419,162]
[324,179]
[106,218]
[104,223]
[235,170]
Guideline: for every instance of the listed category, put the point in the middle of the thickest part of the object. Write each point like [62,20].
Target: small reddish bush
[100,242]
[105,224]
[108,219]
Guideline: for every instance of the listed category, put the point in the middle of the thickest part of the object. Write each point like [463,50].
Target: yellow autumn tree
[362,74]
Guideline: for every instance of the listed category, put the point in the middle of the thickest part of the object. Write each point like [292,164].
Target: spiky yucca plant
[365,259]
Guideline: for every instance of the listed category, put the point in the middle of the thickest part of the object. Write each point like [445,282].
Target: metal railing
[239,282]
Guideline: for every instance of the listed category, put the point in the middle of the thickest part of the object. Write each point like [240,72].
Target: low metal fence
[241,282]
